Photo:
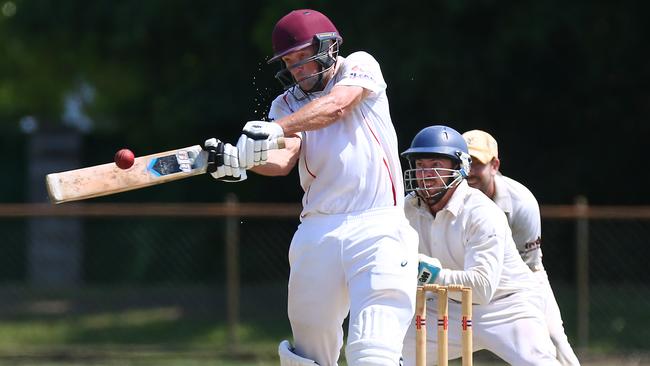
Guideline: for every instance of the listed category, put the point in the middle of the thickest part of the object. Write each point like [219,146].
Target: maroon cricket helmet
[298,29]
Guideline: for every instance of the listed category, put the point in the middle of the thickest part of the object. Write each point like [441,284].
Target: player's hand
[257,138]
[428,269]
[223,161]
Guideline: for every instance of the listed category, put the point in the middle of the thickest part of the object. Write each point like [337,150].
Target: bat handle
[281,143]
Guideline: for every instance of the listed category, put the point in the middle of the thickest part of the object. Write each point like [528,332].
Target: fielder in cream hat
[481,145]
[522,211]
[484,151]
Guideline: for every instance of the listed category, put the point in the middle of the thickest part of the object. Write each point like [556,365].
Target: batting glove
[223,161]
[428,269]
[257,138]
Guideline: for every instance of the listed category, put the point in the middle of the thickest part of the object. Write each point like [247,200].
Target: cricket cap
[481,145]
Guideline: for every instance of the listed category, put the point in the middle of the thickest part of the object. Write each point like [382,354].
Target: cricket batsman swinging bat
[105,179]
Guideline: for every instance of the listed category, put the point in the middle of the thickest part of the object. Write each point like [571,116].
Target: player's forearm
[482,288]
[314,116]
[281,162]
[323,111]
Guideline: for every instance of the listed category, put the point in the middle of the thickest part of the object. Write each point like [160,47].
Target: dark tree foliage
[563,86]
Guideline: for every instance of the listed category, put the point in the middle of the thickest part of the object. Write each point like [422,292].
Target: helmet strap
[318,85]
[434,198]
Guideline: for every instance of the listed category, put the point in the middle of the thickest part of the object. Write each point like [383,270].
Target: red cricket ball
[124,158]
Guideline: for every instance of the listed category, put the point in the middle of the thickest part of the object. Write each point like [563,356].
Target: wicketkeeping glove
[257,138]
[223,161]
[428,269]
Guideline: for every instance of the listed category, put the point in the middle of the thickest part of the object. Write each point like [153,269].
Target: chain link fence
[213,276]
[595,257]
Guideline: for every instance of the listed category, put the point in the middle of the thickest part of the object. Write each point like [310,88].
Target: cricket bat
[106,179]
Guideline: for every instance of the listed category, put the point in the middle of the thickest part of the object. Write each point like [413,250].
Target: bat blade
[106,179]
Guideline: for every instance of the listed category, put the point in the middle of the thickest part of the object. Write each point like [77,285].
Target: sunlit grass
[85,328]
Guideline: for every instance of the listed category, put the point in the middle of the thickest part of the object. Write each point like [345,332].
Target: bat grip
[281,143]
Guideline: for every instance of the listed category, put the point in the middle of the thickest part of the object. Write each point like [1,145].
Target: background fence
[84,280]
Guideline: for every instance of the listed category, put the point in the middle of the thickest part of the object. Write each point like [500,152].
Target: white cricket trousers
[564,352]
[362,263]
[513,328]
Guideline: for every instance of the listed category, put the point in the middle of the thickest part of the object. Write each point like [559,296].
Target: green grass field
[139,326]
[181,326]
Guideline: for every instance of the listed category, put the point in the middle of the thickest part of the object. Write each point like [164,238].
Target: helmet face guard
[327,48]
[436,142]
[423,181]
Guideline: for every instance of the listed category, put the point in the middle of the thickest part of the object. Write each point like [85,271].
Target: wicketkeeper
[465,240]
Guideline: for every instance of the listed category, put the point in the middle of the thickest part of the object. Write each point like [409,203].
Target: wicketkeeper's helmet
[439,140]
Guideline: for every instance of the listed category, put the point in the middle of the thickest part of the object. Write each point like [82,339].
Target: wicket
[421,328]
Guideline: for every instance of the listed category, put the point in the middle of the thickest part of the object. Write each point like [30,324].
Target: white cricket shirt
[471,238]
[522,210]
[353,164]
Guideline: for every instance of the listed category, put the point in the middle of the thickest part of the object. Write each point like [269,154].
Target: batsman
[354,251]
